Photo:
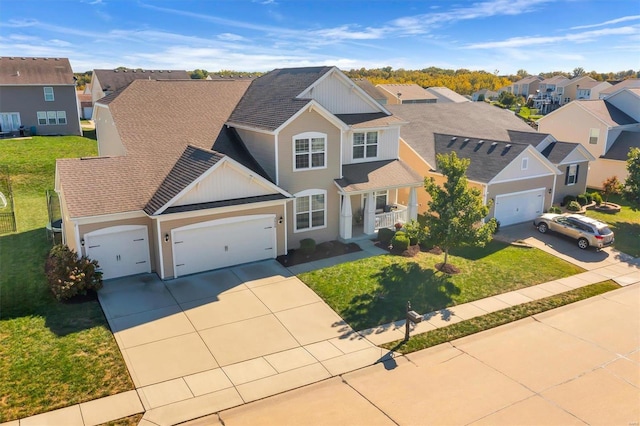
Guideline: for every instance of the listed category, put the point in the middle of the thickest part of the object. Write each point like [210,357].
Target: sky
[260,35]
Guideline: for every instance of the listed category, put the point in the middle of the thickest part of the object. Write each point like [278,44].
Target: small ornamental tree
[457,210]
[69,275]
[611,186]
[631,190]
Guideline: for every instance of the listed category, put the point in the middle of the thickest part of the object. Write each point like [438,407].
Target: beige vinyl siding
[167,225]
[514,170]
[519,186]
[387,145]
[321,179]
[109,141]
[603,169]
[262,147]
[556,125]
[335,95]
[86,228]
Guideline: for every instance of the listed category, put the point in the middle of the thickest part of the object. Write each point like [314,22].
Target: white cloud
[611,22]
[230,37]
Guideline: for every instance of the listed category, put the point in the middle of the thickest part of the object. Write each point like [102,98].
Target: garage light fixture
[166,238]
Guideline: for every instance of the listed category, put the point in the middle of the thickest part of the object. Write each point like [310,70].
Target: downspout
[159,240]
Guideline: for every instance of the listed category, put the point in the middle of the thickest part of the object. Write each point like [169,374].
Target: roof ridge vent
[508,145]
[480,142]
[466,140]
[494,143]
[453,138]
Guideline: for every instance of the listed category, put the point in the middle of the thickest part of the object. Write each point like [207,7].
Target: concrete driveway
[215,340]
[564,247]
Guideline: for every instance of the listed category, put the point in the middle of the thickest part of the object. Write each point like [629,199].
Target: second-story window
[309,151]
[365,145]
[48,94]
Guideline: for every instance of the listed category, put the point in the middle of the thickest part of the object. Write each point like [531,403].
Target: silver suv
[587,231]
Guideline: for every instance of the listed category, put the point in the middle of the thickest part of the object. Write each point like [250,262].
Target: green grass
[495,319]
[53,354]
[375,290]
[625,225]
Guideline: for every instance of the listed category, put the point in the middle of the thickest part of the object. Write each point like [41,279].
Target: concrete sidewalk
[578,364]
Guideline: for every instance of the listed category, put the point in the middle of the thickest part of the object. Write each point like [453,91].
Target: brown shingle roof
[376,175]
[113,80]
[408,92]
[39,71]
[631,82]
[369,88]
[190,112]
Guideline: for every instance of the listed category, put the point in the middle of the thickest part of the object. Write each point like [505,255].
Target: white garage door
[225,242]
[519,206]
[119,250]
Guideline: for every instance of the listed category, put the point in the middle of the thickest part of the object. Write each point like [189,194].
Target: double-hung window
[572,174]
[48,94]
[52,117]
[309,151]
[310,210]
[365,145]
[62,117]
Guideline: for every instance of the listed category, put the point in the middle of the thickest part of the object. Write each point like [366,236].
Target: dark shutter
[566,176]
[577,171]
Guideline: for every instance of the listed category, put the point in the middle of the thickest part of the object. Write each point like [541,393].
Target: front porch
[369,197]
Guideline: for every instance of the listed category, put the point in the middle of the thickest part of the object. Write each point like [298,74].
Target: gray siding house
[38,95]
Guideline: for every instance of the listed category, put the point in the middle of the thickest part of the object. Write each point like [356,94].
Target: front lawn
[625,225]
[53,354]
[375,290]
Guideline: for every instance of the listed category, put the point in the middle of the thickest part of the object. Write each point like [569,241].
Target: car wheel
[542,227]
[583,243]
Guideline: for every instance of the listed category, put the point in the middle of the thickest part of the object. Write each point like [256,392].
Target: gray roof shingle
[29,71]
[271,99]
[488,158]
[606,112]
[556,152]
[377,174]
[622,145]
[469,119]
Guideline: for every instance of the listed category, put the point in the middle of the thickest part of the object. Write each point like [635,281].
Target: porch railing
[388,220]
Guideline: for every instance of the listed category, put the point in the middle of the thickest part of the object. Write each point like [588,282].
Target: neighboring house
[243,171]
[624,84]
[526,86]
[591,89]
[406,94]
[568,90]
[446,95]
[85,105]
[38,94]
[507,164]
[547,97]
[105,82]
[484,94]
[371,90]
[606,128]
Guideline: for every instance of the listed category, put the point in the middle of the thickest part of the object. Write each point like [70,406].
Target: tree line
[462,81]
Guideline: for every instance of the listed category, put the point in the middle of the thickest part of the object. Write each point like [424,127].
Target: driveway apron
[226,337]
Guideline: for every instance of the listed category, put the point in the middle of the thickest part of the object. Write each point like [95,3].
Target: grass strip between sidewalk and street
[498,318]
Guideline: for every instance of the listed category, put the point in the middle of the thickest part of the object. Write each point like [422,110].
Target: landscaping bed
[323,251]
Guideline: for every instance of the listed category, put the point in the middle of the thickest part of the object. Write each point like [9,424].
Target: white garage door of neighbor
[119,250]
[224,242]
[519,206]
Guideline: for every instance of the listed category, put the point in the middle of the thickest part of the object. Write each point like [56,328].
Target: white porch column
[413,204]
[370,214]
[346,218]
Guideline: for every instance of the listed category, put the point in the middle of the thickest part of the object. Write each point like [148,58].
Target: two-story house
[38,95]
[526,86]
[629,83]
[547,97]
[607,128]
[243,171]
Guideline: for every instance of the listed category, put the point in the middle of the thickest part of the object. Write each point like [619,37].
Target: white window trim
[308,135]
[309,193]
[54,115]
[525,163]
[574,174]
[384,192]
[353,145]
[46,89]
[62,115]
[42,115]
[594,133]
